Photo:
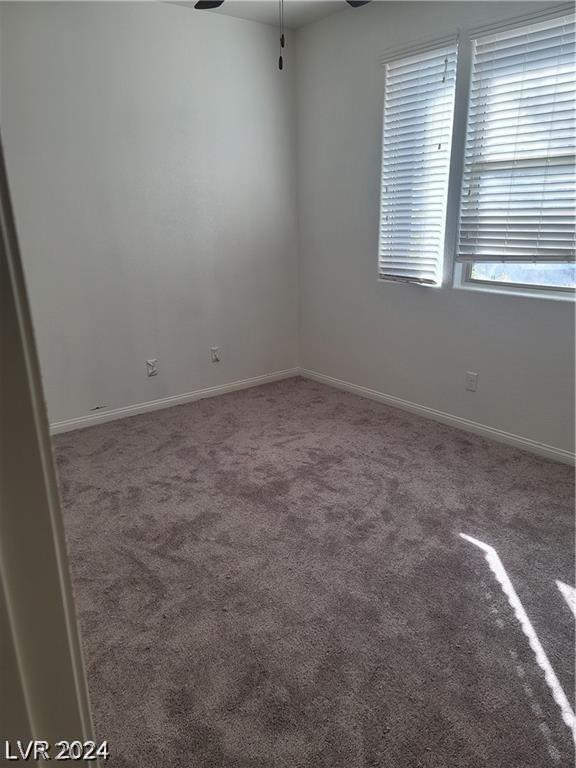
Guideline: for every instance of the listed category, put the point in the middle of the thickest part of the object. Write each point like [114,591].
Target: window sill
[503,290]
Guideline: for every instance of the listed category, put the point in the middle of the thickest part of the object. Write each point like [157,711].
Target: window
[547,276]
[518,195]
[417,134]
[513,166]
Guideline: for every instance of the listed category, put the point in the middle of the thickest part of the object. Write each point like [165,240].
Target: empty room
[288,383]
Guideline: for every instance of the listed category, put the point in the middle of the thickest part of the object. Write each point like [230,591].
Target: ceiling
[297,13]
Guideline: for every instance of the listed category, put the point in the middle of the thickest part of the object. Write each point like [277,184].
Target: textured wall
[151,156]
[403,340]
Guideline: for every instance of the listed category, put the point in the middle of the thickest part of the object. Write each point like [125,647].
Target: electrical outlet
[215,354]
[471,381]
[152,367]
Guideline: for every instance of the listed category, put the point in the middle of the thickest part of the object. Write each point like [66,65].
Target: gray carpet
[275,578]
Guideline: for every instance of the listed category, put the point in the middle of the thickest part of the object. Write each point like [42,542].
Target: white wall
[407,341]
[152,156]
[150,149]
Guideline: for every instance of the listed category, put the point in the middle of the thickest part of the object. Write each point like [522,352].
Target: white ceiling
[297,13]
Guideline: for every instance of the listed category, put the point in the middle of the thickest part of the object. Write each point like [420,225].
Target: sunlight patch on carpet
[542,660]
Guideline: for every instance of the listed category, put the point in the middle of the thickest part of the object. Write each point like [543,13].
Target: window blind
[518,192]
[417,135]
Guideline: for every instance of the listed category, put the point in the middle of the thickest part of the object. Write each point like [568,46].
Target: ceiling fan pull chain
[282,39]
[210,5]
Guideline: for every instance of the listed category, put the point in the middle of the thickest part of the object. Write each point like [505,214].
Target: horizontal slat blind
[518,192]
[417,135]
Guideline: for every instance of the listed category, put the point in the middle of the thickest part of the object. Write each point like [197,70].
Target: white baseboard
[525,443]
[166,402]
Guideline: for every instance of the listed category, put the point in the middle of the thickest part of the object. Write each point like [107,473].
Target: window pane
[538,275]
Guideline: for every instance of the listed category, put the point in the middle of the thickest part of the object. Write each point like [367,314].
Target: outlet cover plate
[471,381]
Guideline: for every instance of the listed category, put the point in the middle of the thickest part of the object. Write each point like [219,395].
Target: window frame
[463,282]
[467,277]
[457,275]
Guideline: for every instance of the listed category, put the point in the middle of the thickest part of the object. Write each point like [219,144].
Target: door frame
[45,693]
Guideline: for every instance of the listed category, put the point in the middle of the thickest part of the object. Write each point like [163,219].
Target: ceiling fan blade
[208,5]
[357,3]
